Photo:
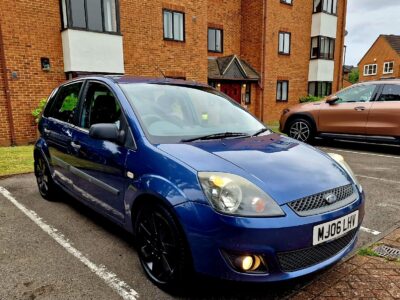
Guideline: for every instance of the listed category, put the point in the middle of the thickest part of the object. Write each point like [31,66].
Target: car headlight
[340,160]
[234,195]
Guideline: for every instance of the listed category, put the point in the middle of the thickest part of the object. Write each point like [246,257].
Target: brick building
[382,60]
[263,53]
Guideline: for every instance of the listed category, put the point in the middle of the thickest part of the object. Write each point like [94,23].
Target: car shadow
[209,288]
[98,219]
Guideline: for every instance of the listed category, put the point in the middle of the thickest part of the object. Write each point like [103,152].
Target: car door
[100,164]
[384,117]
[349,113]
[58,125]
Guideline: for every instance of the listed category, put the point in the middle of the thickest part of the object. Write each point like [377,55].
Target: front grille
[316,204]
[304,258]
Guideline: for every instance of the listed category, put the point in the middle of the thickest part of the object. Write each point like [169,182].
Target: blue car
[201,184]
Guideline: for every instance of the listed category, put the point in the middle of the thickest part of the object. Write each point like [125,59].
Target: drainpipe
[263,54]
[342,36]
[6,88]
[344,63]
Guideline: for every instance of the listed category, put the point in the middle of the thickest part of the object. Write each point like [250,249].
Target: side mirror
[332,100]
[107,132]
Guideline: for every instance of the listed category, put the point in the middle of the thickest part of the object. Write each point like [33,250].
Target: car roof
[123,79]
[381,81]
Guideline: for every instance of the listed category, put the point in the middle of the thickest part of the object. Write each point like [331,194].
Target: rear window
[66,103]
[50,102]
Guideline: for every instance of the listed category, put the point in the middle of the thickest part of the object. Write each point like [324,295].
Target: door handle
[359,108]
[75,145]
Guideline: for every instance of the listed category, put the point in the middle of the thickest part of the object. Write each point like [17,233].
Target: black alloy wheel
[46,185]
[161,247]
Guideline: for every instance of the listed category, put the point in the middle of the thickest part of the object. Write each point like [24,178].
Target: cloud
[370,5]
[366,20]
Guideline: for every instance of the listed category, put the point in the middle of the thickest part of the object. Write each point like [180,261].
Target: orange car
[364,111]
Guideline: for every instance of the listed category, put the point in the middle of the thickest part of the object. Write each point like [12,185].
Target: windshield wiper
[221,135]
[261,131]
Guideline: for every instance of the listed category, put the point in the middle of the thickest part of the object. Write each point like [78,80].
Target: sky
[366,20]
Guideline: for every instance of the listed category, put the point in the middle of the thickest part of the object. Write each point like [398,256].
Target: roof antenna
[161,72]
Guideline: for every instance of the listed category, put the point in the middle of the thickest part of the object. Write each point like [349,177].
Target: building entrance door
[233,90]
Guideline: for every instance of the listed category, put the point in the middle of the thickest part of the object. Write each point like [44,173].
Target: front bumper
[209,233]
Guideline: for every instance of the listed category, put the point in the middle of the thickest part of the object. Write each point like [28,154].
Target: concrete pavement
[34,265]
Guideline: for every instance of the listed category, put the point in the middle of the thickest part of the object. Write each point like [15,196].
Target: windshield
[171,113]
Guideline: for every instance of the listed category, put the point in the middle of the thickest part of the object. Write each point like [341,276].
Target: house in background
[265,54]
[382,60]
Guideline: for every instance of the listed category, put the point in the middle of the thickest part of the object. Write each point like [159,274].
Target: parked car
[200,183]
[367,111]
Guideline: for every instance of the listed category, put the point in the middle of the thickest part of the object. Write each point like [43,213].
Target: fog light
[244,262]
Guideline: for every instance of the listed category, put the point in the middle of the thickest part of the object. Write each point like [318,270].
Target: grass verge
[274,125]
[367,252]
[16,160]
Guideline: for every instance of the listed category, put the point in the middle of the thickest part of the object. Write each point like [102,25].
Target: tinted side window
[390,92]
[50,103]
[100,106]
[361,93]
[66,104]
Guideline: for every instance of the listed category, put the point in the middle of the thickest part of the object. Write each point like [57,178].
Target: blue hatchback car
[201,184]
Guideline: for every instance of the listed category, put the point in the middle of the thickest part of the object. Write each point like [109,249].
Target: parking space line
[374,232]
[362,153]
[376,178]
[390,206]
[111,279]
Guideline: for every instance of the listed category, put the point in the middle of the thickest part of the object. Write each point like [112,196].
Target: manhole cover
[388,252]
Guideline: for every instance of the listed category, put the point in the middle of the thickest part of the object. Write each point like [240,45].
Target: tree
[354,76]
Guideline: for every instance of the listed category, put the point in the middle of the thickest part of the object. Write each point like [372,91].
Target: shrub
[354,76]
[37,112]
[309,98]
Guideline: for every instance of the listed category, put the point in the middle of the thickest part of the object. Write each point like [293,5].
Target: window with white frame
[322,47]
[282,90]
[319,88]
[284,42]
[90,15]
[290,2]
[326,6]
[174,25]
[370,69]
[388,67]
[215,40]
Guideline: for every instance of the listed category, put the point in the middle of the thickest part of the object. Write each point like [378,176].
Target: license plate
[332,230]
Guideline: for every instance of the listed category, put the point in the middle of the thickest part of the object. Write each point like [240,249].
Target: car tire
[162,248]
[301,129]
[46,185]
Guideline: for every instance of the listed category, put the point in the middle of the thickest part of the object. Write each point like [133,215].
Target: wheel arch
[146,198]
[41,149]
[305,116]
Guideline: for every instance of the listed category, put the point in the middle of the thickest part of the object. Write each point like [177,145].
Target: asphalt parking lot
[62,250]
